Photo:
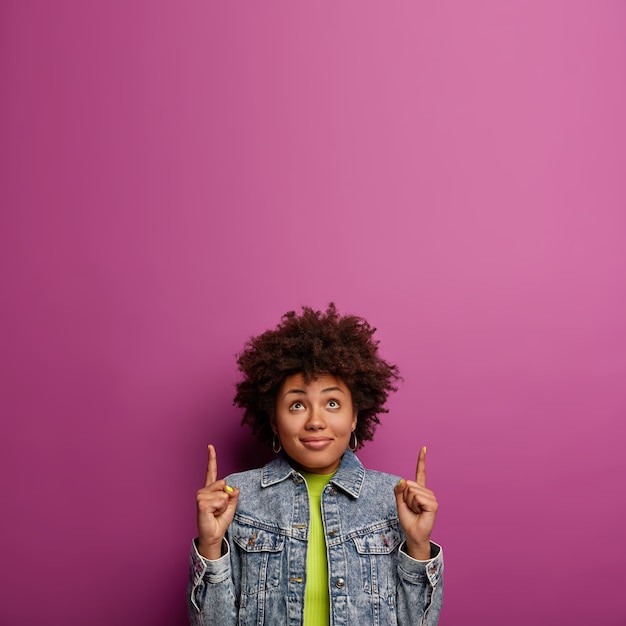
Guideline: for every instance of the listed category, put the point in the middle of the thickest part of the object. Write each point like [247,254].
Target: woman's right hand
[217,503]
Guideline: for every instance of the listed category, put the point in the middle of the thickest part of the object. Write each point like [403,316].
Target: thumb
[398,491]
[233,499]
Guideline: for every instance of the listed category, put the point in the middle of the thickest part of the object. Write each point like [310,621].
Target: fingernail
[400,482]
[229,489]
[424,449]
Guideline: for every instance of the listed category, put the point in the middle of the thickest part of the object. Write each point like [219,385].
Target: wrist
[418,550]
[211,550]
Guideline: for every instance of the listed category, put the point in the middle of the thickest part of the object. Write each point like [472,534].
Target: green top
[316,596]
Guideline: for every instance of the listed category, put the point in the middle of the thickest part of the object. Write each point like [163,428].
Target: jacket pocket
[261,553]
[377,553]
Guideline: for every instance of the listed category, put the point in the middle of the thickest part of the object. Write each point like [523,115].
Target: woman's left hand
[417,509]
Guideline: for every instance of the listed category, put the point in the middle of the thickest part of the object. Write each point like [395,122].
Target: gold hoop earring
[276,445]
[356,442]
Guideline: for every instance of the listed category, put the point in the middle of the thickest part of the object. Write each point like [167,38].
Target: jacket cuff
[413,570]
[212,571]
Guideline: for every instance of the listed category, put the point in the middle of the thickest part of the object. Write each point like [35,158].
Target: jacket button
[332,491]
[340,583]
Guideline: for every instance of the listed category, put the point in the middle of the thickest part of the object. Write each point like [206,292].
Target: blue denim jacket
[261,577]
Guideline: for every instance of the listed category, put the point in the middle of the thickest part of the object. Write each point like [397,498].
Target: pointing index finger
[420,471]
[211,470]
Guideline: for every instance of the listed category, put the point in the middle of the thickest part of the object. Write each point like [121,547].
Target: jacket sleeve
[420,589]
[210,591]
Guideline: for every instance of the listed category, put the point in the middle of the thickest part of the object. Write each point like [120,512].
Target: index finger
[211,469]
[420,470]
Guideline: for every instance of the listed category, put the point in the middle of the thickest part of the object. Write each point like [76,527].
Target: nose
[316,419]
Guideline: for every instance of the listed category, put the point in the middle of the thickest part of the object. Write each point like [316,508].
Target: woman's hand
[217,503]
[417,509]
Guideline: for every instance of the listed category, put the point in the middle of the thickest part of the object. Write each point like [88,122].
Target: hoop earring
[276,445]
[352,448]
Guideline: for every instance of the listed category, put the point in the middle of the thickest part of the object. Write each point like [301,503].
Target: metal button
[332,491]
[340,583]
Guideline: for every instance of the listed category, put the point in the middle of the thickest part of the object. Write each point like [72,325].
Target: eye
[296,406]
[333,404]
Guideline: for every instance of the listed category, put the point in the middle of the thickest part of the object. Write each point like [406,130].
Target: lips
[316,443]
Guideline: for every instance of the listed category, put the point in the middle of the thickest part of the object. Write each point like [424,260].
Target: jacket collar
[348,477]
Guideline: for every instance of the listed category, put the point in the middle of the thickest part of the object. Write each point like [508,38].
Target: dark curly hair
[315,343]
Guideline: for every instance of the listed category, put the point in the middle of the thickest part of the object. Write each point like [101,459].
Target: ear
[354,421]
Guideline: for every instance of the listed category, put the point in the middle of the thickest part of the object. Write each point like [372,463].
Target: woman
[313,538]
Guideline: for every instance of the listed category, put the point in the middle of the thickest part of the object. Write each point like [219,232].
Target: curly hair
[315,343]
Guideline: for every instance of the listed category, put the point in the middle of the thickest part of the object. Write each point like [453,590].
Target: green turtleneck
[316,596]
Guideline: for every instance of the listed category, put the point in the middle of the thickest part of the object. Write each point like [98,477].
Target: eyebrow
[326,390]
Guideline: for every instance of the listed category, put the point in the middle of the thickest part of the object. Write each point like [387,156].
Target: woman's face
[314,421]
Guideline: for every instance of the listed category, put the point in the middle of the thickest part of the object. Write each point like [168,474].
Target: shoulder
[375,506]
[375,479]
[245,480]
[257,480]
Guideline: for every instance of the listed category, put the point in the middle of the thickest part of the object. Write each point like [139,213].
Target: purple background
[175,176]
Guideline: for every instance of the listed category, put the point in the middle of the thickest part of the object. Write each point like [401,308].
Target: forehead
[315,385]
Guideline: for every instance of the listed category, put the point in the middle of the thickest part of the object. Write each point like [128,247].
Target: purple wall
[175,176]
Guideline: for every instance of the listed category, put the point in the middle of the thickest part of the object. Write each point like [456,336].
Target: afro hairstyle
[314,343]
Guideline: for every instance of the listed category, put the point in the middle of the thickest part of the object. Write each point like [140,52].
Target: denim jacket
[261,576]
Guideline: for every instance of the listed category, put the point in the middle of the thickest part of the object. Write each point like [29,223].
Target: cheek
[285,426]
[348,427]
